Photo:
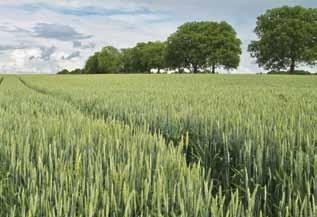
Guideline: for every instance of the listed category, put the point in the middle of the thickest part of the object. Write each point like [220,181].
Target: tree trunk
[159,71]
[195,68]
[292,67]
[213,69]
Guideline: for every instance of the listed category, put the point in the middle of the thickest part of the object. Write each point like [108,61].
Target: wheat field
[158,145]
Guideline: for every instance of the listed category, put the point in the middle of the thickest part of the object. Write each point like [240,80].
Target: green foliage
[74,72]
[144,57]
[297,72]
[198,46]
[134,59]
[287,38]
[202,45]
[154,55]
[129,60]
[63,72]
[109,60]
[253,137]
[91,66]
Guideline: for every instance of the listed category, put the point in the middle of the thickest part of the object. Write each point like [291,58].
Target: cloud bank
[45,36]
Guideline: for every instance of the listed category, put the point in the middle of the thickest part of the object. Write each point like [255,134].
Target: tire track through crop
[42,91]
[104,116]
[1,80]
[277,180]
[89,172]
[184,140]
[63,98]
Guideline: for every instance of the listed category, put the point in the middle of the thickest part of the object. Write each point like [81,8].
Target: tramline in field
[148,145]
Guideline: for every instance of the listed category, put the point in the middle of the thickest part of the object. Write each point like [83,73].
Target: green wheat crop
[220,146]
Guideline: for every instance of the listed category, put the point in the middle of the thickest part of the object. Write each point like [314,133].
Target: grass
[150,145]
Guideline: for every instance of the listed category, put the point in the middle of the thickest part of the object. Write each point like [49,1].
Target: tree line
[286,38]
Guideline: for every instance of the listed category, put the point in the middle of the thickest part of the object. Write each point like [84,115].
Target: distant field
[158,145]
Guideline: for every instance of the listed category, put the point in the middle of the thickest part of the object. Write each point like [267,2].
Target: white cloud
[39,60]
[45,36]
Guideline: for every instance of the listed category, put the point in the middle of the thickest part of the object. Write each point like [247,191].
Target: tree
[185,47]
[91,66]
[128,60]
[287,37]
[76,71]
[154,55]
[138,57]
[144,57]
[133,59]
[63,72]
[223,48]
[109,60]
[202,45]
[66,72]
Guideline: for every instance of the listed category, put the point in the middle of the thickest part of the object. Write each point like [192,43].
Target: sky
[46,36]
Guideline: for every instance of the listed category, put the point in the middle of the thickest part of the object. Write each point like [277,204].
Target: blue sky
[45,36]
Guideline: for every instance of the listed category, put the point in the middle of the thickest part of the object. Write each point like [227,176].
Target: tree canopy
[144,57]
[67,72]
[91,66]
[204,45]
[197,46]
[154,55]
[108,60]
[287,37]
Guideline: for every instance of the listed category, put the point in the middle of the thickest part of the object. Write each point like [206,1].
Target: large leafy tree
[109,60]
[144,57]
[203,45]
[223,46]
[133,59]
[128,60]
[154,55]
[63,72]
[91,66]
[287,37]
[185,48]
[139,58]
